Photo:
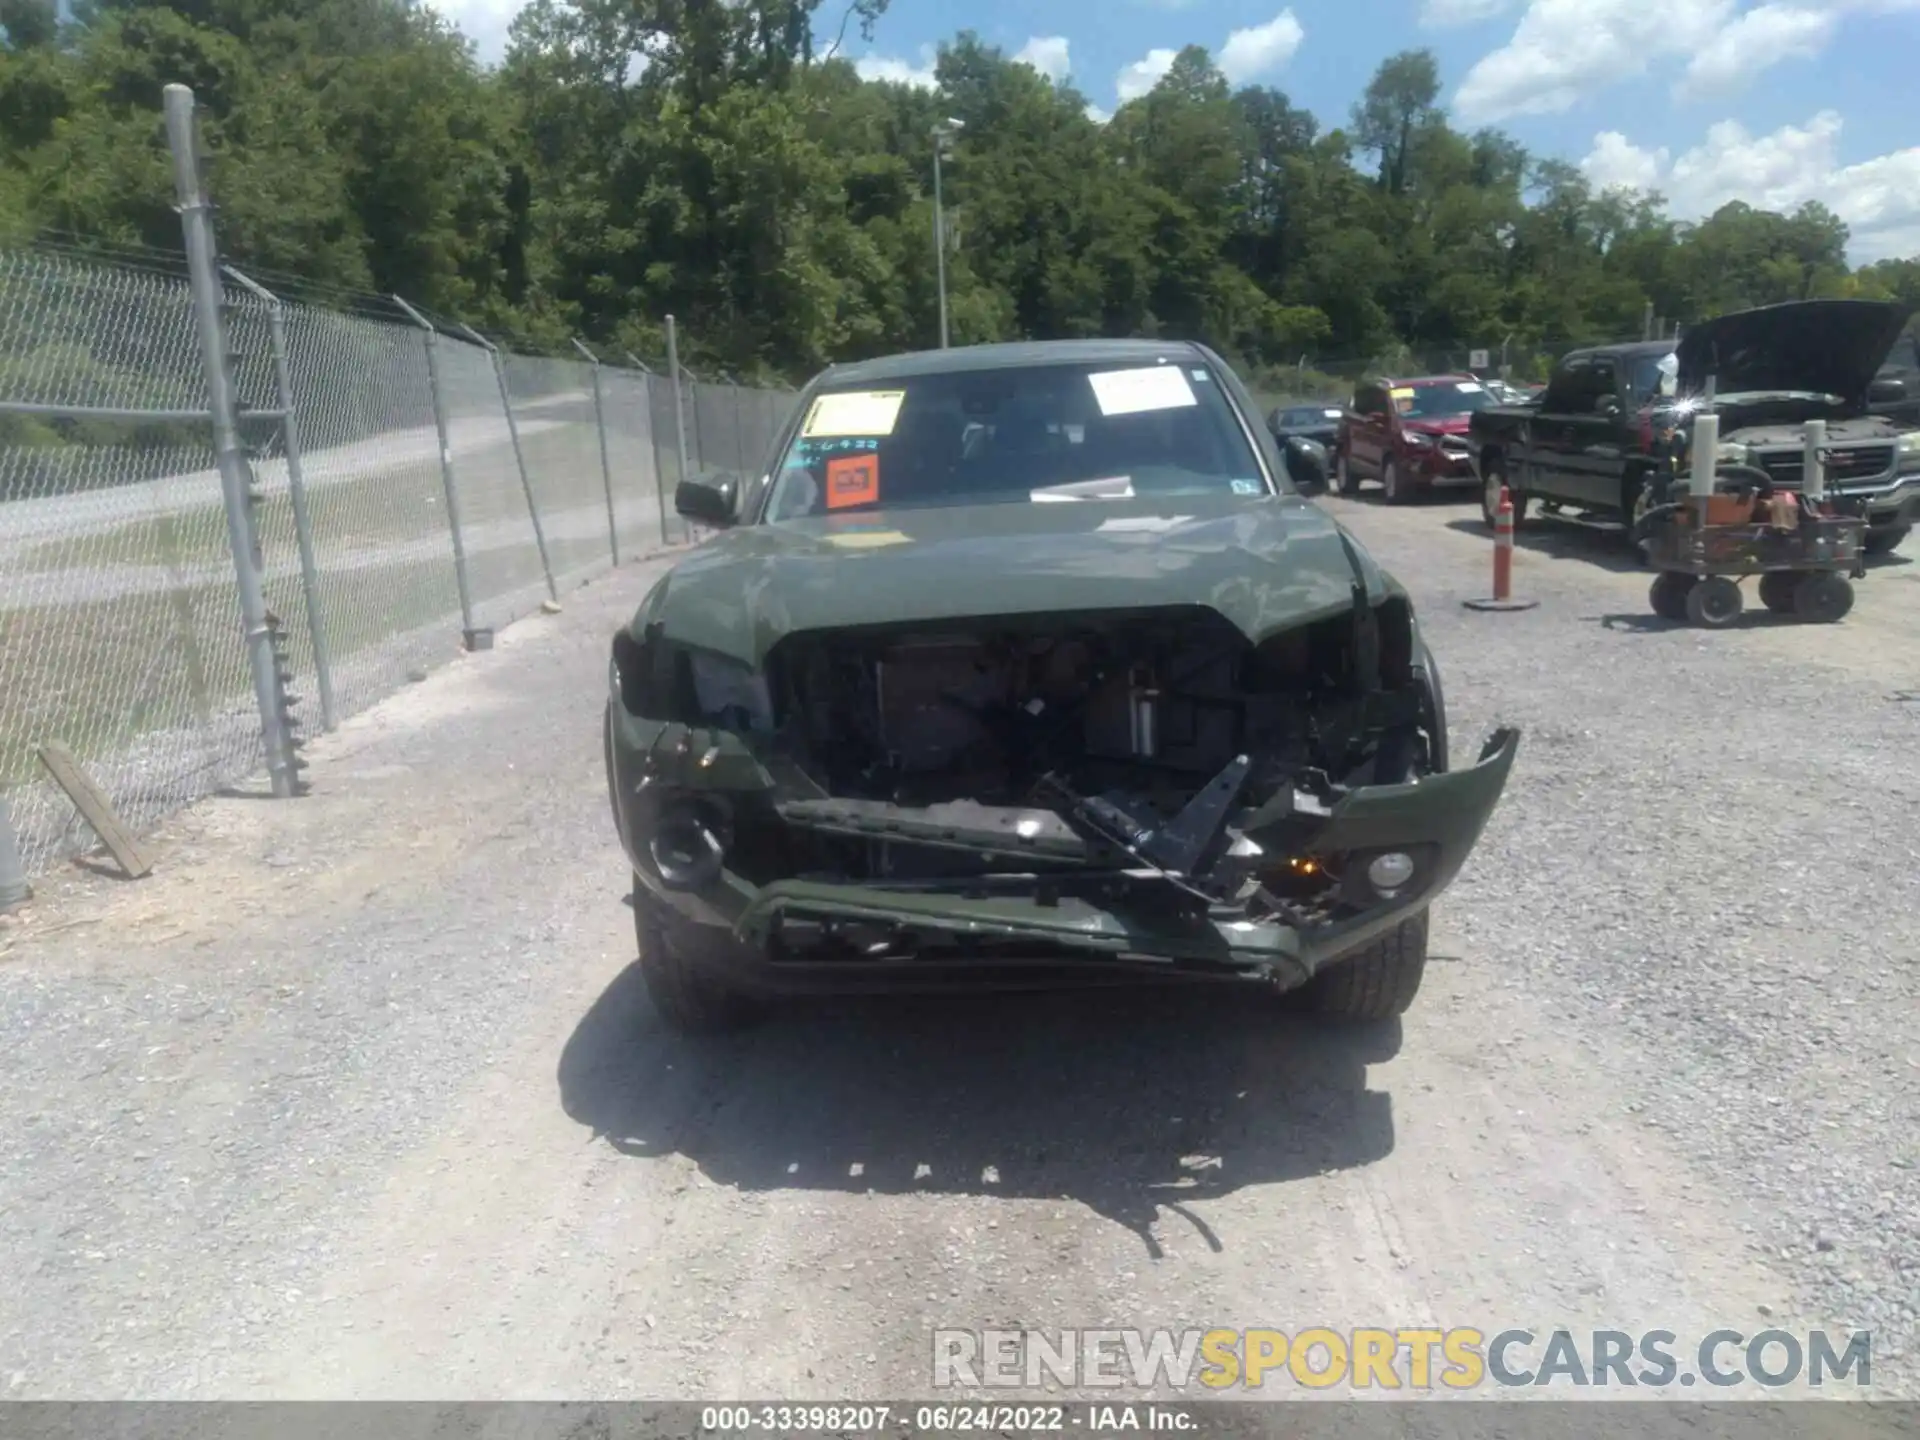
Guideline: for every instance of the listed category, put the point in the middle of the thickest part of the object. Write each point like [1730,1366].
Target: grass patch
[98,675]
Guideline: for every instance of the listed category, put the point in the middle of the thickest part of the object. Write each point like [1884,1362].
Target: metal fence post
[739,427]
[236,476]
[679,415]
[14,889]
[430,339]
[297,492]
[606,466]
[519,456]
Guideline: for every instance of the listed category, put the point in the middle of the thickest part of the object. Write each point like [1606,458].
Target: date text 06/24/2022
[943,1419]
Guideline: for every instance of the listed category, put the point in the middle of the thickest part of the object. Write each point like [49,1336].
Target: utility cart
[1705,542]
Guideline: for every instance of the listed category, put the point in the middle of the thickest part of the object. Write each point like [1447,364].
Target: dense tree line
[719,160]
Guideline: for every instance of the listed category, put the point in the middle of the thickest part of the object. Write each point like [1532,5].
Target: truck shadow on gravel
[1130,1102]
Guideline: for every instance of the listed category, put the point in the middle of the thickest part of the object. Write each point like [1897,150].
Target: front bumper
[1065,915]
[1441,465]
[1887,506]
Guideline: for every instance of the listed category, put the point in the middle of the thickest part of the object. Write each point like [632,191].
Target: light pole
[943,133]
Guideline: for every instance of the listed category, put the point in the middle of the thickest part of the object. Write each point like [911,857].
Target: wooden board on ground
[91,801]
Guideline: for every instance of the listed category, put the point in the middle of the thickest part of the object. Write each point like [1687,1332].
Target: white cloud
[1260,49]
[900,72]
[1444,14]
[1048,55]
[1879,198]
[1097,115]
[1142,75]
[1563,51]
[1566,51]
[1757,40]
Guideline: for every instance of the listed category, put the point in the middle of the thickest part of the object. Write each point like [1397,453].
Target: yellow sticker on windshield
[1401,392]
[863,413]
[866,539]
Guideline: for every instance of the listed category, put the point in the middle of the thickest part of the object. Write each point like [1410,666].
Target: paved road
[359,1096]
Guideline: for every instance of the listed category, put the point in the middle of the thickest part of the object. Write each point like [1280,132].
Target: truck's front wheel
[1376,983]
[690,1000]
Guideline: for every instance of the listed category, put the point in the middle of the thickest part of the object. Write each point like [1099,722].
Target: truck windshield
[1440,402]
[1018,435]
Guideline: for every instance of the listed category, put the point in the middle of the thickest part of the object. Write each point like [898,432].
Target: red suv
[1410,435]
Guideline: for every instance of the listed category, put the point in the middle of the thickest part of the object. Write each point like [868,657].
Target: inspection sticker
[1129,392]
[855,412]
[852,480]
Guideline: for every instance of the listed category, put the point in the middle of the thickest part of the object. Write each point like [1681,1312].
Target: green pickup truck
[1614,418]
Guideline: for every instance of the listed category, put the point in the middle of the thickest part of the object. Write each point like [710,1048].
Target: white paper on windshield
[1115,487]
[1331,414]
[1135,524]
[864,413]
[1469,387]
[1132,392]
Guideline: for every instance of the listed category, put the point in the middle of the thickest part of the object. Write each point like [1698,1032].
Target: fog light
[689,844]
[1387,873]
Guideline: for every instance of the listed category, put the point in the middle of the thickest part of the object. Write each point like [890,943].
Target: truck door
[1546,470]
[1367,431]
[1594,454]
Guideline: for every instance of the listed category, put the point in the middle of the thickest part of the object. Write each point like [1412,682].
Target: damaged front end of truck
[1108,793]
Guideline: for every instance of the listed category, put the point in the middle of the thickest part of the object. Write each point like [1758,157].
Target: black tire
[690,1001]
[1822,598]
[1668,595]
[1715,602]
[1392,489]
[1377,983]
[1777,590]
[1636,498]
[1885,542]
[1344,480]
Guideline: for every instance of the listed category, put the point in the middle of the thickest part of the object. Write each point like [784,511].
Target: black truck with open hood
[1615,418]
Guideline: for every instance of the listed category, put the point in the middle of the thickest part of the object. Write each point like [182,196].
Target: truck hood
[1832,347]
[1444,425]
[1262,563]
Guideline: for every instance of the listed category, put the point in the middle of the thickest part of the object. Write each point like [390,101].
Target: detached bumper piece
[1273,893]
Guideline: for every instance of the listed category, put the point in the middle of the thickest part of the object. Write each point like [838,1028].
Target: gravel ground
[358,1096]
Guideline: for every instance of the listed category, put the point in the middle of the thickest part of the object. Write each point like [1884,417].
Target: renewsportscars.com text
[1462,1358]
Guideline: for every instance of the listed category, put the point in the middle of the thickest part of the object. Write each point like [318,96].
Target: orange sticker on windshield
[853,480]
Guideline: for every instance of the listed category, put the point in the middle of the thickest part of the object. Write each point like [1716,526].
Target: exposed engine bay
[1133,739]
[1155,704]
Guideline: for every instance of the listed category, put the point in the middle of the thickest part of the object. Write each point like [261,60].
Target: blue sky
[1707,100]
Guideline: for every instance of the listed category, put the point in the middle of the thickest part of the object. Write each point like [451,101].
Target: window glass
[1031,434]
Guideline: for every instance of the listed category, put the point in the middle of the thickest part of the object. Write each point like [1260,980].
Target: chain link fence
[414,490]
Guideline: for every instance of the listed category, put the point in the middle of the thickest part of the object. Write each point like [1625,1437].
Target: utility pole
[943,134]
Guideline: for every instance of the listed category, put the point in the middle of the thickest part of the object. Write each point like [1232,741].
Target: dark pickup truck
[1614,419]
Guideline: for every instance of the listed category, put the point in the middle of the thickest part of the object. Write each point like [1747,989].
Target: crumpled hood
[1833,347]
[1262,563]
[1449,425]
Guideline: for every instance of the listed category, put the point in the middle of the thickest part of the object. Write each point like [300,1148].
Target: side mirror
[709,497]
[1307,465]
[1886,392]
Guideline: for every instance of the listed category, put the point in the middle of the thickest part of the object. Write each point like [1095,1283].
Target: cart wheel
[1715,602]
[1822,598]
[1668,597]
[1777,588]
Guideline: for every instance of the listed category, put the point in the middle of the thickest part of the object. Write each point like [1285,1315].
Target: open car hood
[1262,563]
[1831,347]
